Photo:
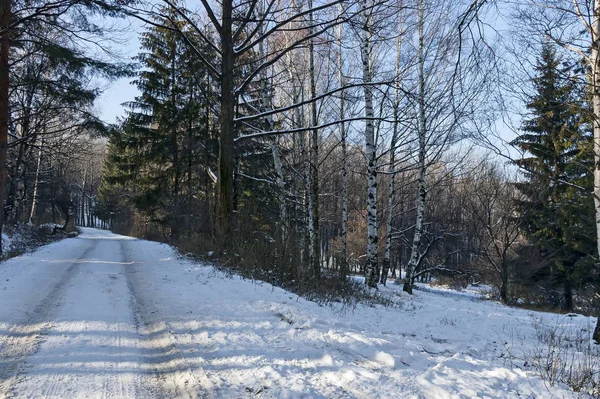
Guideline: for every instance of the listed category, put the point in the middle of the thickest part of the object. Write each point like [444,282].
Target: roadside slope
[240,338]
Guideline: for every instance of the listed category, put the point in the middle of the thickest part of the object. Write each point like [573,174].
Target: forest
[302,142]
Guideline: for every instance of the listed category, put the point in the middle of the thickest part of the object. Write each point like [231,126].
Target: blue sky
[109,104]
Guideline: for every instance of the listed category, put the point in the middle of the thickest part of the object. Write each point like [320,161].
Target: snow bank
[136,320]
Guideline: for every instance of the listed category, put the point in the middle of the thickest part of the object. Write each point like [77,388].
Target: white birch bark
[310,229]
[36,182]
[371,152]
[415,255]
[595,71]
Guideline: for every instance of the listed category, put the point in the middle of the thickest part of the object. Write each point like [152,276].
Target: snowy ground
[107,316]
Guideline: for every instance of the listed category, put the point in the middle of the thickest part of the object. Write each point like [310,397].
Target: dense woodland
[304,141]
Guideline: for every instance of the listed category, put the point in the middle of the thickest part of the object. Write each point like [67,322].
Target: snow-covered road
[107,316]
[68,324]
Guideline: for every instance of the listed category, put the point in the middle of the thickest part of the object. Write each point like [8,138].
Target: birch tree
[373,32]
[449,92]
[371,147]
[416,255]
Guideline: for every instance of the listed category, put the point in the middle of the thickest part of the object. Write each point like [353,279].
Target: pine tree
[557,211]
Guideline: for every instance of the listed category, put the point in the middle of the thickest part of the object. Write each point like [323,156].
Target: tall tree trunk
[308,209]
[595,72]
[304,206]
[176,220]
[345,174]
[345,180]
[392,176]
[385,268]
[315,247]
[371,152]
[415,256]
[210,123]
[224,202]
[5,18]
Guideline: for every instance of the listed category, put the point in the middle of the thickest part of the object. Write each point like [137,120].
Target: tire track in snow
[172,376]
[23,339]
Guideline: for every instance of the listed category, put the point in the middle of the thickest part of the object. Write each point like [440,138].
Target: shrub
[27,237]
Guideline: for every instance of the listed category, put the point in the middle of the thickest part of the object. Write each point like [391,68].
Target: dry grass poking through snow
[566,355]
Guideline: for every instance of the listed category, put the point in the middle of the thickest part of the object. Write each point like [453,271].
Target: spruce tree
[557,210]
[166,132]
